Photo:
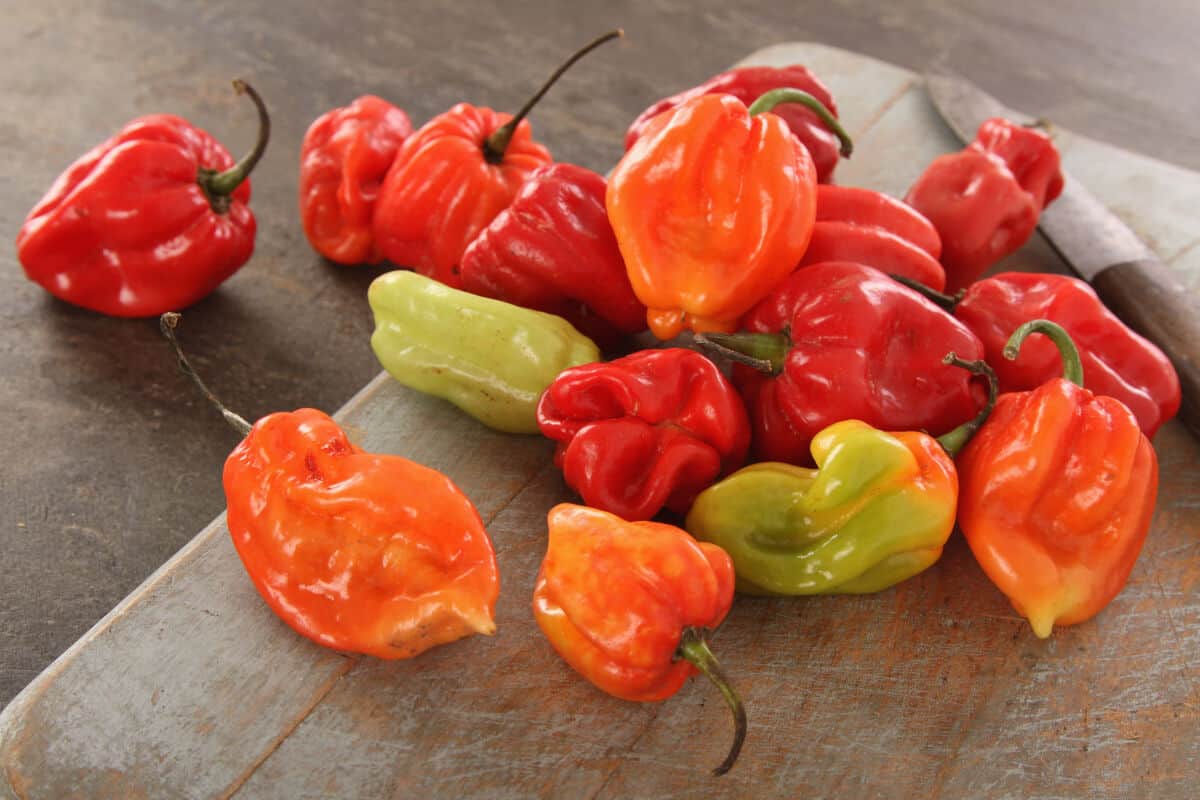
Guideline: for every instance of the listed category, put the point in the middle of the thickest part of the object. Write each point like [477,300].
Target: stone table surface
[114,462]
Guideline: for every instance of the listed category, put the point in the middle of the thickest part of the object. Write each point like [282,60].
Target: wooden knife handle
[1149,298]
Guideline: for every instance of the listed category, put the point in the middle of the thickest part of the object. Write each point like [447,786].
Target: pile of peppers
[809,412]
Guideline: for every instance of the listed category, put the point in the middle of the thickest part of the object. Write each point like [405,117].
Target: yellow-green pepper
[491,359]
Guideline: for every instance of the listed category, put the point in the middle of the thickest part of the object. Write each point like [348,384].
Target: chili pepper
[645,431]
[553,250]
[153,219]
[1058,491]
[985,200]
[453,176]
[490,358]
[630,605]
[870,228]
[343,159]
[844,341]
[357,551]
[712,207]
[748,84]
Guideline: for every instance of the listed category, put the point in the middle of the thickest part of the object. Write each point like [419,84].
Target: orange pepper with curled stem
[713,206]
[629,605]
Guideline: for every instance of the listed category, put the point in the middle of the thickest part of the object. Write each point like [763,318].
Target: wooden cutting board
[192,688]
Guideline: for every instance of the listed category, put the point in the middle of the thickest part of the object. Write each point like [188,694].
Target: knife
[1131,280]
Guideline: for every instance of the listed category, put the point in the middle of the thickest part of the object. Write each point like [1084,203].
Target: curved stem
[1072,365]
[495,145]
[769,100]
[167,323]
[764,352]
[955,440]
[218,186]
[694,650]
[947,301]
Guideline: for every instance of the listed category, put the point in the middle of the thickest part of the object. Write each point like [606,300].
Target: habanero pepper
[630,606]
[646,431]
[1057,494]
[750,83]
[344,157]
[151,220]
[365,552]
[452,177]
[712,207]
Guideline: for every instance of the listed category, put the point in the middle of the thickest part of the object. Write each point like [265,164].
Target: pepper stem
[768,100]
[495,145]
[764,352]
[946,301]
[694,649]
[167,323]
[1072,365]
[955,440]
[218,186]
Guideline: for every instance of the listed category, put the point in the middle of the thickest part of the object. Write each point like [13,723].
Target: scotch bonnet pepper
[490,358]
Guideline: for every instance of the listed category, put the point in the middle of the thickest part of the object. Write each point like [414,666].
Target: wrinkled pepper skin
[491,359]
[1117,362]
[859,346]
[867,208]
[711,207]
[748,84]
[553,250]
[441,190]
[343,160]
[1028,152]
[644,432]
[877,510]
[357,551]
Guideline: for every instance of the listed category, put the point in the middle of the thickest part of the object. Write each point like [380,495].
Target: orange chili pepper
[629,605]
[1056,493]
[712,207]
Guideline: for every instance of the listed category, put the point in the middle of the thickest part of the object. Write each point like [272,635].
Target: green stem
[955,440]
[947,301]
[495,145]
[694,649]
[765,352]
[1072,366]
[218,186]
[167,323]
[769,100]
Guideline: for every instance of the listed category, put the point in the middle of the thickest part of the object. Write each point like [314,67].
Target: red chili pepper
[748,84]
[553,250]
[151,220]
[343,159]
[452,177]
[844,341]
[649,430]
[985,200]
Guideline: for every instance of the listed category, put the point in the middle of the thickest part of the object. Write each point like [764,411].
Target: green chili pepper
[490,358]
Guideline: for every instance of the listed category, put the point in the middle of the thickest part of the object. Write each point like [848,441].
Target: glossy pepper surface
[712,207]
[844,341]
[344,157]
[1057,495]
[629,605]
[151,220]
[748,84]
[490,358]
[553,250]
[644,432]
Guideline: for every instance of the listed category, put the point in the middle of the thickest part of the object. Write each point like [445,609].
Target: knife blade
[1127,275]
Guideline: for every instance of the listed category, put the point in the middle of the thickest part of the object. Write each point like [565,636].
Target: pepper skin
[712,207]
[846,341]
[748,84]
[876,511]
[489,358]
[343,160]
[151,220]
[628,605]
[553,250]
[645,431]
[1058,491]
